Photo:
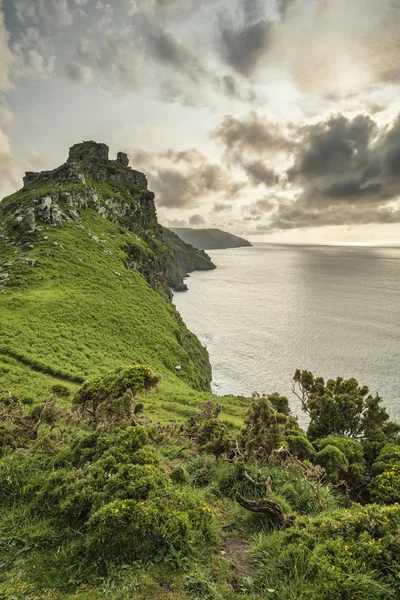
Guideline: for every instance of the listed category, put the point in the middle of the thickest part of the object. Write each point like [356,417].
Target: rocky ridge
[89,180]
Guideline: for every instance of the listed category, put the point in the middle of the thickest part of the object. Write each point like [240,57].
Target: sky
[277,120]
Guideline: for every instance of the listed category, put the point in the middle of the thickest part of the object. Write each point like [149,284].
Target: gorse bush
[109,400]
[342,459]
[340,407]
[385,485]
[342,554]
[267,430]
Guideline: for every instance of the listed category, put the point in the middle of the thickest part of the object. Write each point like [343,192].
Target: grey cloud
[79,72]
[7,58]
[284,6]
[242,46]
[221,206]
[32,55]
[196,220]
[259,173]
[52,14]
[348,172]
[108,58]
[185,179]
[254,133]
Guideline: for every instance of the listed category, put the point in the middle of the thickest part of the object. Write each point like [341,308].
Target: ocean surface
[270,309]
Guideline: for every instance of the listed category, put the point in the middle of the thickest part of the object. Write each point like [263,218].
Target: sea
[270,309]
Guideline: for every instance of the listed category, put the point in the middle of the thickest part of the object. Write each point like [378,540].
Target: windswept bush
[110,399]
[267,430]
[343,408]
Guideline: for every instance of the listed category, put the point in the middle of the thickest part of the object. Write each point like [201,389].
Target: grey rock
[73,214]
[27,224]
[89,152]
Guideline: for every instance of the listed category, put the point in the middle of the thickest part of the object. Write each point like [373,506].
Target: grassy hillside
[121,476]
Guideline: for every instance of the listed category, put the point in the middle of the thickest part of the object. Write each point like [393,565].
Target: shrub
[174,525]
[179,475]
[343,554]
[109,400]
[267,430]
[342,459]
[385,486]
[343,408]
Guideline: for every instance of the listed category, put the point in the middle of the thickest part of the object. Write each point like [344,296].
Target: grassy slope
[80,311]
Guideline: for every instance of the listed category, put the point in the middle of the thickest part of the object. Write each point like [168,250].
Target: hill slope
[83,285]
[210,239]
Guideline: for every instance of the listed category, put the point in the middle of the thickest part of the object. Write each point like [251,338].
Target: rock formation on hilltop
[89,180]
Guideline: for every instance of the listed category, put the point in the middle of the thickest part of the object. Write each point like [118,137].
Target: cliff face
[182,260]
[210,239]
[85,276]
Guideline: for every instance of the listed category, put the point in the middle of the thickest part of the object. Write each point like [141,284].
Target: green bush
[173,524]
[109,399]
[342,459]
[348,554]
[267,430]
[385,485]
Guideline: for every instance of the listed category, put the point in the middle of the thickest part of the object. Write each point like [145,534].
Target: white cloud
[32,57]
[10,172]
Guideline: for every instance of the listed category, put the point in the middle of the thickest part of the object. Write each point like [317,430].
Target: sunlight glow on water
[270,309]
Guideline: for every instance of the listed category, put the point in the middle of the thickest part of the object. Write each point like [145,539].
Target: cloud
[78,72]
[284,6]
[32,56]
[259,173]
[196,220]
[185,179]
[10,173]
[7,58]
[347,172]
[115,58]
[221,206]
[244,41]
[167,49]
[54,15]
[252,133]
[6,116]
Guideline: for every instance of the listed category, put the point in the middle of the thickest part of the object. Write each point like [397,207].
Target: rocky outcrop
[182,260]
[89,180]
[89,160]
[57,196]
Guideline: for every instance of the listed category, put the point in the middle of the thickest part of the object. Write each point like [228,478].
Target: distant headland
[209,239]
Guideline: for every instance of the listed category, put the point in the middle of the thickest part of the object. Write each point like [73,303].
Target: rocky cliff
[183,259]
[85,277]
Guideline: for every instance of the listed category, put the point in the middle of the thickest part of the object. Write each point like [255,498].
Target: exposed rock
[73,214]
[89,151]
[122,159]
[183,259]
[27,224]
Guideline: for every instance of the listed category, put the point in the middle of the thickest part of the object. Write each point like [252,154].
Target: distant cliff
[183,259]
[209,239]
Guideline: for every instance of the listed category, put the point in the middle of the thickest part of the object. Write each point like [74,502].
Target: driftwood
[269,508]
